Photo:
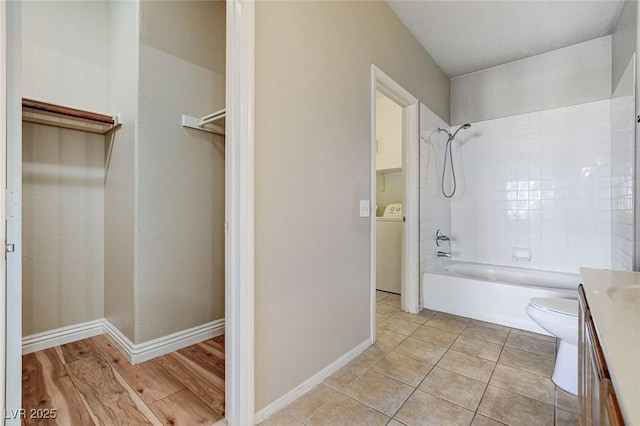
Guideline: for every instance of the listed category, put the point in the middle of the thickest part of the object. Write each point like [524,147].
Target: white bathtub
[497,294]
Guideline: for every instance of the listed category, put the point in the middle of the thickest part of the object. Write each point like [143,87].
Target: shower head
[464,126]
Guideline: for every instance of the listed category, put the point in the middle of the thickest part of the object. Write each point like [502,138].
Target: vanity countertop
[614,301]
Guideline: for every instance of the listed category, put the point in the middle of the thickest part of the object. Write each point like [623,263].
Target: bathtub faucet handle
[440,237]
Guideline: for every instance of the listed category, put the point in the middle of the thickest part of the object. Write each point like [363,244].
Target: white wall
[389,189]
[623,41]
[64,52]
[180,201]
[622,170]
[313,150]
[540,181]
[563,77]
[435,209]
[62,227]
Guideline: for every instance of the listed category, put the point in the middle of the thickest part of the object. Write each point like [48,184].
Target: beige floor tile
[392,299]
[532,344]
[380,392]
[304,407]
[467,365]
[394,422]
[422,351]
[399,326]
[381,317]
[514,409]
[479,420]
[427,312]
[453,317]
[370,356]
[491,325]
[347,374]
[476,347]
[527,361]
[403,368]
[387,339]
[490,334]
[435,336]
[381,295]
[281,419]
[386,309]
[418,319]
[532,334]
[447,324]
[454,388]
[566,401]
[523,383]
[566,418]
[344,410]
[425,409]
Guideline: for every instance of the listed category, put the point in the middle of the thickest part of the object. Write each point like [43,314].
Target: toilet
[560,318]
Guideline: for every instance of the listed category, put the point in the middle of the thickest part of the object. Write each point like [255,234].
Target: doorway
[239,313]
[394,160]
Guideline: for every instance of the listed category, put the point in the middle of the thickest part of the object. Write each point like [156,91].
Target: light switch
[365,211]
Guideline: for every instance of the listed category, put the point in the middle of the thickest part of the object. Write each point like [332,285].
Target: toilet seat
[566,307]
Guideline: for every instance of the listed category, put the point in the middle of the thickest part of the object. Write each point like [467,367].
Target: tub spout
[444,254]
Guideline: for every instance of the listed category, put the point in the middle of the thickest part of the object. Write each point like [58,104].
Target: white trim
[308,384]
[61,336]
[239,212]
[3,185]
[410,286]
[135,353]
[13,372]
[140,352]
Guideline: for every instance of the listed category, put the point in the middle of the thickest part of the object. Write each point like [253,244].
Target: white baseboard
[60,336]
[135,353]
[306,386]
[140,352]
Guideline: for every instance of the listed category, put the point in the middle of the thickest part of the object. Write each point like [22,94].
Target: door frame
[12,27]
[239,213]
[3,185]
[410,280]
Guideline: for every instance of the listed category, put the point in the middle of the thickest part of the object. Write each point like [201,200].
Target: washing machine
[389,248]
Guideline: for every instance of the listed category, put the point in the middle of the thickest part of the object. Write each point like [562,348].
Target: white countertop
[614,302]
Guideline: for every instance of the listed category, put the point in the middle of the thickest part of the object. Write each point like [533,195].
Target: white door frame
[239,213]
[13,301]
[410,172]
[3,185]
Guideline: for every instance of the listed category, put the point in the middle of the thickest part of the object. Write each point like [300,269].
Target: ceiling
[468,36]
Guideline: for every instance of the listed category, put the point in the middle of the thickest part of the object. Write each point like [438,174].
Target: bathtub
[497,294]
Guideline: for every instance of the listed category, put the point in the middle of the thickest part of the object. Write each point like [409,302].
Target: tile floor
[439,369]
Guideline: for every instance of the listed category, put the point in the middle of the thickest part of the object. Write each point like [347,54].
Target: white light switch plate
[365,211]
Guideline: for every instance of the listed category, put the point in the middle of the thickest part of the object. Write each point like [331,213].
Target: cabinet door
[596,397]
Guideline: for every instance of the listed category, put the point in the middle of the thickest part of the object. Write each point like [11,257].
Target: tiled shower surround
[622,165]
[540,181]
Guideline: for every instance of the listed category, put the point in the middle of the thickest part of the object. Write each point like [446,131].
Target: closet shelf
[69,118]
[205,123]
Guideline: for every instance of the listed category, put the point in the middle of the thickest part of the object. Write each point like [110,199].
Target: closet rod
[71,112]
[212,117]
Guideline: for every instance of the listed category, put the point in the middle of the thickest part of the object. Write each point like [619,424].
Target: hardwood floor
[90,382]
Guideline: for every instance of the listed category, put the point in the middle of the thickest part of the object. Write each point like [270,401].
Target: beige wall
[573,75]
[120,190]
[313,130]
[64,52]
[180,174]
[62,227]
